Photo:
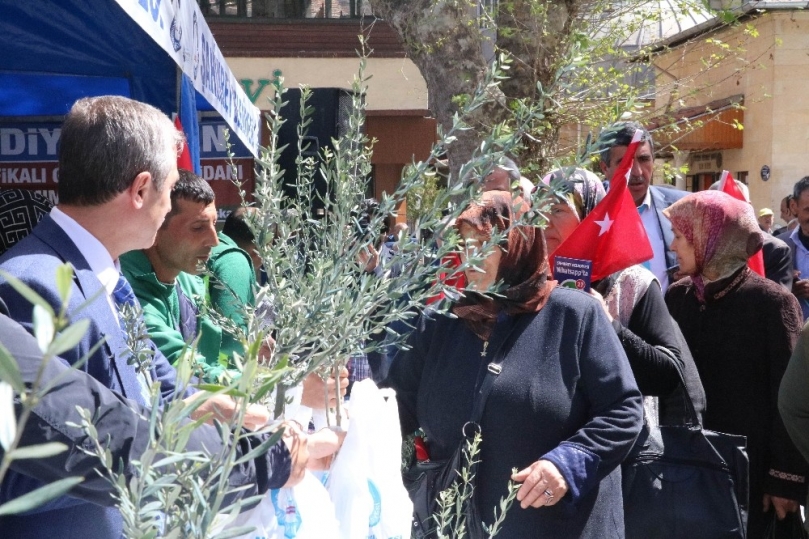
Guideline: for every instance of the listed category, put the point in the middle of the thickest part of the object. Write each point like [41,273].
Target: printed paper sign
[573,272]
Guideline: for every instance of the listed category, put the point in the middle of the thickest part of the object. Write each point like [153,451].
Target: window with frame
[285,9]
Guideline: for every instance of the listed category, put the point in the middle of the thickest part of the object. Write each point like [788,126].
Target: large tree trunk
[444,40]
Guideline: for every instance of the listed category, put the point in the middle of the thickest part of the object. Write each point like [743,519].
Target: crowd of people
[578,373]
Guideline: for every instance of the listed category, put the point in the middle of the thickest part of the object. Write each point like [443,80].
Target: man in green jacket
[165,278]
[232,266]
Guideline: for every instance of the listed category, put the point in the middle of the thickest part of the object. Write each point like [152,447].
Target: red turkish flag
[612,235]
[184,159]
[728,185]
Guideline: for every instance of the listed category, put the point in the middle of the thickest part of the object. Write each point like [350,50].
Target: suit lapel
[660,204]
[98,310]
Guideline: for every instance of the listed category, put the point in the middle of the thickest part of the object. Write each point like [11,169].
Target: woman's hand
[323,445]
[782,506]
[542,485]
[297,443]
[315,390]
[368,258]
[603,303]
[225,409]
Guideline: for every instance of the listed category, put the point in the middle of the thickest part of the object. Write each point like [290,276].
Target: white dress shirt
[657,265]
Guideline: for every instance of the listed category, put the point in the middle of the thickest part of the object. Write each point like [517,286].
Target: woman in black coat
[634,304]
[565,409]
[741,329]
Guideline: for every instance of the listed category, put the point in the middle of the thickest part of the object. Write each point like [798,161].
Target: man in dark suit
[798,242]
[120,423]
[117,166]
[651,200]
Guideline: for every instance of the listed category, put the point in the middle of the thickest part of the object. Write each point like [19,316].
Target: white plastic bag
[365,481]
[301,512]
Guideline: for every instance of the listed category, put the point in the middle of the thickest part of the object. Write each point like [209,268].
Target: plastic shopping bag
[301,512]
[365,481]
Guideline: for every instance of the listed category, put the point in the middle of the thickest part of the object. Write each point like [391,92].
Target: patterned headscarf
[523,267]
[581,189]
[723,231]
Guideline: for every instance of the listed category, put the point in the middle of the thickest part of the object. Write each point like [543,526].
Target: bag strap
[493,370]
[690,414]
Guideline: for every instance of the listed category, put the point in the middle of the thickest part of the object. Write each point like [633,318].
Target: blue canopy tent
[57,51]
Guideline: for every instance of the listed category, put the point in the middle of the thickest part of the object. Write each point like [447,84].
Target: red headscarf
[523,267]
[722,229]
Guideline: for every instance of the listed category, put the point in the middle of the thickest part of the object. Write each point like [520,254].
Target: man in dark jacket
[650,200]
[123,425]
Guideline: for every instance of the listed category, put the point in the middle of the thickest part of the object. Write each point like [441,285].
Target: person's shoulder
[135,263]
[227,253]
[774,243]
[31,259]
[191,284]
[766,290]
[669,194]
[773,301]
[680,287]
[786,237]
[569,299]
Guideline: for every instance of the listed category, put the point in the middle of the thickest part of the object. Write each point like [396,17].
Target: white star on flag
[605,224]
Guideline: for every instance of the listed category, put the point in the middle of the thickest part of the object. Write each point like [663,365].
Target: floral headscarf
[723,231]
[582,189]
[523,268]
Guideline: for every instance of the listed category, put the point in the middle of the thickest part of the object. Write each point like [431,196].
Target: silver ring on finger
[549,494]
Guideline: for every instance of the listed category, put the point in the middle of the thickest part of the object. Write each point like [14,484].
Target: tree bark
[444,40]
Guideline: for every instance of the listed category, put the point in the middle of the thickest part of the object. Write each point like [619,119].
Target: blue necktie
[123,293]
[135,385]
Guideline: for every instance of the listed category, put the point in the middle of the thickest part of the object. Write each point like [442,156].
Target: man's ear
[793,207]
[603,167]
[137,190]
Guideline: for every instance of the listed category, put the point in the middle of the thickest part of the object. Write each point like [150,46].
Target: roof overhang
[714,126]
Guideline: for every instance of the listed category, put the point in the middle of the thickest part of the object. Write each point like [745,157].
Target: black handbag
[789,528]
[424,481]
[683,482]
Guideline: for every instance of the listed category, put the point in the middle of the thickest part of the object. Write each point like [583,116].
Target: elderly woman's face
[483,277]
[562,221]
[685,253]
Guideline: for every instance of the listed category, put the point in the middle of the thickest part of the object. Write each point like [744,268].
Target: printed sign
[218,170]
[29,160]
[573,273]
[179,28]
[28,157]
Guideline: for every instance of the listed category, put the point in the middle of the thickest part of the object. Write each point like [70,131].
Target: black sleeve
[787,470]
[778,261]
[120,424]
[405,375]
[651,328]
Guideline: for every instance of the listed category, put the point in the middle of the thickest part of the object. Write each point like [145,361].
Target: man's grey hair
[106,142]
[620,134]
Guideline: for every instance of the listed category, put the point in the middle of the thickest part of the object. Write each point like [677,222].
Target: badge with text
[573,272]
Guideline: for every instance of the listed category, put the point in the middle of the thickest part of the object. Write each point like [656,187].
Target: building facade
[750,112]
[307,47]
